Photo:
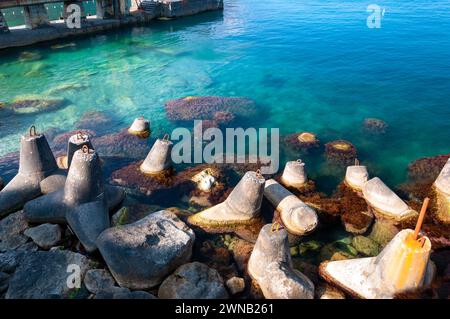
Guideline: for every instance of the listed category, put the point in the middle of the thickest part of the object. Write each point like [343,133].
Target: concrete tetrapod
[159,157]
[76,142]
[294,174]
[83,202]
[385,202]
[241,207]
[356,176]
[297,217]
[270,265]
[442,188]
[140,127]
[402,265]
[38,174]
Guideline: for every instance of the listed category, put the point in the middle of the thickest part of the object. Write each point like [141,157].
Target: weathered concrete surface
[21,36]
[399,267]
[180,8]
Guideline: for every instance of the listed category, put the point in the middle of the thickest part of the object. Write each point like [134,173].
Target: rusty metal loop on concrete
[32,131]
[422,241]
[85,149]
[166,137]
[276,227]
[356,162]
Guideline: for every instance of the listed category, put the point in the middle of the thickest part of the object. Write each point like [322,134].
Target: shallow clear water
[310,65]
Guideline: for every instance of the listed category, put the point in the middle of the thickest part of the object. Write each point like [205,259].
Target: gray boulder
[45,235]
[193,281]
[11,231]
[142,254]
[46,274]
[97,280]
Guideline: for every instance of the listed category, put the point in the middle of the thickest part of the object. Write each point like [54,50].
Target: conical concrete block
[356,176]
[76,142]
[385,202]
[402,265]
[35,165]
[241,207]
[85,178]
[442,187]
[297,217]
[294,174]
[270,265]
[159,157]
[140,127]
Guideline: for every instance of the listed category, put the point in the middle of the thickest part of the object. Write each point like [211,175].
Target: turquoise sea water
[310,65]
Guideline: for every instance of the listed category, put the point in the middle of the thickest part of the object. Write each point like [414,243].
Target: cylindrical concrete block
[159,157]
[36,155]
[356,176]
[297,217]
[246,197]
[85,179]
[294,174]
[140,127]
[76,142]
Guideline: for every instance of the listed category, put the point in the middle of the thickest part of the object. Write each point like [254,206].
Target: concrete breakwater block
[142,254]
[83,202]
[297,217]
[241,207]
[402,265]
[159,157]
[442,186]
[294,174]
[356,176]
[38,173]
[385,202]
[270,265]
[140,127]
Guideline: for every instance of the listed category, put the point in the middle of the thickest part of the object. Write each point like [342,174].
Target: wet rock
[241,251]
[216,256]
[312,246]
[28,56]
[121,144]
[235,285]
[427,168]
[4,281]
[133,295]
[325,291]
[374,126]
[366,246]
[9,261]
[45,235]
[141,254]
[193,281]
[383,231]
[341,152]
[337,251]
[224,117]
[44,274]
[205,108]
[93,121]
[66,87]
[110,292]
[27,106]
[97,280]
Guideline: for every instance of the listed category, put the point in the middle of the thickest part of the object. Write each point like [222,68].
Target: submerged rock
[45,235]
[366,246]
[341,152]
[44,275]
[374,126]
[193,281]
[24,106]
[121,144]
[427,168]
[142,254]
[93,121]
[206,108]
[303,141]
